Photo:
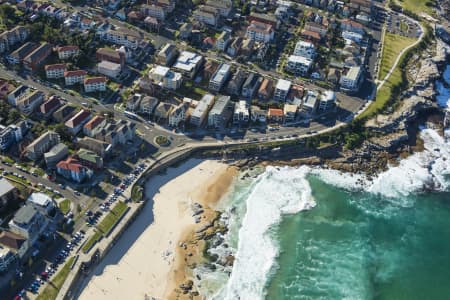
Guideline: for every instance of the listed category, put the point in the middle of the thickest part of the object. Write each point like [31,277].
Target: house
[94,126]
[162,111]
[179,114]
[167,55]
[305,49]
[72,169]
[188,63]
[17,56]
[90,159]
[289,112]
[310,103]
[219,78]
[94,84]
[223,40]
[74,77]
[29,223]
[264,18]
[352,26]
[50,105]
[109,69]
[258,114]
[66,52]
[148,105]
[236,82]
[55,154]
[275,115]
[8,193]
[207,15]
[351,80]
[266,89]
[201,111]
[299,65]
[166,78]
[251,85]
[309,35]
[316,27]
[327,100]
[241,112]
[223,6]
[16,244]
[76,123]
[33,60]
[63,113]
[43,202]
[55,71]
[235,47]
[220,113]
[101,148]
[260,32]
[110,55]
[282,90]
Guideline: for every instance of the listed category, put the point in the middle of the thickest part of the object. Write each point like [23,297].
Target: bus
[131,115]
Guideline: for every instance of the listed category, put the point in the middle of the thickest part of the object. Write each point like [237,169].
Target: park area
[417,6]
[393,45]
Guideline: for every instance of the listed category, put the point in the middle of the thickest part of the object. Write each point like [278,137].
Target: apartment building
[94,126]
[207,15]
[236,82]
[35,59]
[223,40]
[66,52]
[29,223]
[95,84]
[220,77]
[265,90]
[166,78]
[327,100]
[74,77]
[74,170]
[50,105]
[55,154]
[201,110]
[55,71]
[281,90]
[220,113]
[224,7]
[17,56]
[251,85]
[260,32]
[179,114]
[351,80]
[167,55]
[188,63]
[241,112]
[76,123]
[299,65]
[122,37]
[305,49]
[110,55]
[109,69]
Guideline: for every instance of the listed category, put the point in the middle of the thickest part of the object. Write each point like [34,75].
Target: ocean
[314,233]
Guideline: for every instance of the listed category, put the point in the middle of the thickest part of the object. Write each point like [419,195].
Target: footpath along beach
[147,261]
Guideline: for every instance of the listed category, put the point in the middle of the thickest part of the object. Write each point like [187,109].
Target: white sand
[139,264]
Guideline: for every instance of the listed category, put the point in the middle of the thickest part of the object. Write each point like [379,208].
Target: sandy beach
[146,261]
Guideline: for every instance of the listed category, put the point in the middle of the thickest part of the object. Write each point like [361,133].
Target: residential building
[94,84]
[90,159]
[265,90]
[282,90]
[223,40]
[17,56]
[275,115]
[30,102]
[352,36]
[299,65]
[351,80]
[72,169]
[55,154]
[33,60]
[289,112]
[94,126]
[305,49]
[5,88]
[210,69]
[264,18]
[236,82]
[133,103]
[43,202]
[117,132]
[309,35]
[12,134]
[219,78]
[101,148]
[74,77]
[28,222]
[162,111]
[153,24]
[66,52]
[241,112]
[258,114]
[316,27]
[260,32]
[188,63]
[201,111]
[166,78]
[207,15]
[220,113]
[121,36]
[55,71]
[154,11]
[50,105]
[18,94]
[167,55]
[235,47]
[223,6]
[295,95]
[179,114]
[76,123]
[8,193]
[185,31]
[109,69]
[110,55]
[63,113]
[310,103]
[148,105]
[352,26]
[251,85]
[16,244]
[327,100]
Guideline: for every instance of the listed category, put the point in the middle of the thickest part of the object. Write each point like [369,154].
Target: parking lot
[402,26]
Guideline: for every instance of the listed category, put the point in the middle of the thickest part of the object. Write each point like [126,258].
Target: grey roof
[25,214]
[221,104]
[5,187]
[222,72]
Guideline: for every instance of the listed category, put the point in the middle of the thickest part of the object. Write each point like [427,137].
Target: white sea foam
[276,192]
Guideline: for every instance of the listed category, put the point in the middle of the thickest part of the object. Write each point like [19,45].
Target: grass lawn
[64,206]
[112,217]
[417,6]
[136,193]
[7,159]
[52,288]
[17,179]
[393,44]
[91,241]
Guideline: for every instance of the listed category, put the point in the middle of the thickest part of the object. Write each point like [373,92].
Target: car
[77,193]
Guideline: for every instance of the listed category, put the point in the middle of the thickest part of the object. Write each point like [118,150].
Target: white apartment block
[305,49]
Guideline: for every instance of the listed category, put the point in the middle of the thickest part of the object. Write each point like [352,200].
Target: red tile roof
[11,240]
[311,34]
[275,112]
[67,48]
[93,80]
[55,67]
[81,116]
[75,73]
[50,104]
[94,122]
[71,164]
[352,23]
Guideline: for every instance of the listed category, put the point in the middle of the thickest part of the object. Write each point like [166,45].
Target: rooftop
[221,73]
[5,187]
[40,199]
[283,85]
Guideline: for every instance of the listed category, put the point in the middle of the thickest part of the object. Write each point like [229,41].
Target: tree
[65,135]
